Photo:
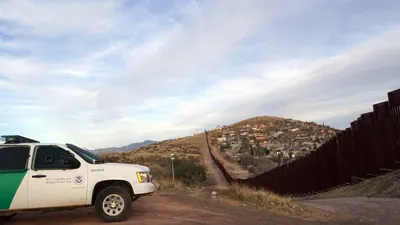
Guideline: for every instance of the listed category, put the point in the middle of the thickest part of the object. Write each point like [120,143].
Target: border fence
[368,148]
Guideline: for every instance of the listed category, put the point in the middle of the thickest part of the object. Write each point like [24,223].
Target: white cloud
[114,73]
[19,69]
[347,83]
[115,47]
[58,17]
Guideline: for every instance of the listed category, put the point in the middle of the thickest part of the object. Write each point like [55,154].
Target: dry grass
[237,193]
[167,186]
[187,149]
[262,199]
[157,157]
[258,119]
[387,185]
[187,146]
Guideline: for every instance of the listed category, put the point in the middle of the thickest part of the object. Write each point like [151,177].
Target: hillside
[252,144]
[157,155]
[126,148]
[255,143]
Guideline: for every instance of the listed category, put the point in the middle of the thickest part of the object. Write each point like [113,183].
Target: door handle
[39,176]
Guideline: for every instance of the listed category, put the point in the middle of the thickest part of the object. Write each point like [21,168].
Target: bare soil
[384,186]
[212,168]
[366,210]
[163,209]
[233,169]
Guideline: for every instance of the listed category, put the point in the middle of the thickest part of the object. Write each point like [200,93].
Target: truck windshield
[86,155]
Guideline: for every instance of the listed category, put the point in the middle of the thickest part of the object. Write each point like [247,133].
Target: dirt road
[366,210]
[161,209]
[234,169]
[213,169]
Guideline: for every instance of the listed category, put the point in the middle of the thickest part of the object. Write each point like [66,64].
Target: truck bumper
[144,188]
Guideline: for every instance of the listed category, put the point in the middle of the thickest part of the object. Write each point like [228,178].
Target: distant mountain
[127,148]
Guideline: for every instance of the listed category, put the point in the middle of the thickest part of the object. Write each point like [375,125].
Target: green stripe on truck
[9,184]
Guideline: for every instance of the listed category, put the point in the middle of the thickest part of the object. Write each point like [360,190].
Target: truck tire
[8,217]
[113,204]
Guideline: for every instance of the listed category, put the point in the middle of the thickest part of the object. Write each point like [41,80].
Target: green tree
[258,147]
[245,145]
[190,173]
[222,148]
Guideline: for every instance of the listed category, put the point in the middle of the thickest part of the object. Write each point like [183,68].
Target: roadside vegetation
[191,176]
[235,194]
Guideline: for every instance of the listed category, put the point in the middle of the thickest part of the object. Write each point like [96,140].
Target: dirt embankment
[385,186]
[365,210]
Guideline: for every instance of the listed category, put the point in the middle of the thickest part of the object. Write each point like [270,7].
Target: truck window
[14,158]
[54,158]
[86,155]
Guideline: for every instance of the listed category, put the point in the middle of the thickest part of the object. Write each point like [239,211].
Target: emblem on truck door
[78,179]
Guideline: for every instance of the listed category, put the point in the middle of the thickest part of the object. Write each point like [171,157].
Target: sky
[101,73]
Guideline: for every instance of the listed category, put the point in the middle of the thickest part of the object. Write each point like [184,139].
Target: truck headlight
[143,177]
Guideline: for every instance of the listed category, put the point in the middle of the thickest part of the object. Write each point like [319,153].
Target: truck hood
[135,166]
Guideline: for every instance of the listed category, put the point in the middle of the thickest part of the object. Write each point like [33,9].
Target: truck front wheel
[113,204]
[7,217]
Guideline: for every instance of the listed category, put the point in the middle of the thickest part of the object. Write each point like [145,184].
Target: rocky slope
[260,143]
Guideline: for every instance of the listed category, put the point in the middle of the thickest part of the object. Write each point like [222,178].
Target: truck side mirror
[70,162]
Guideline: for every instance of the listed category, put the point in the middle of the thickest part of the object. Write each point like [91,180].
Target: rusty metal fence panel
[369,147]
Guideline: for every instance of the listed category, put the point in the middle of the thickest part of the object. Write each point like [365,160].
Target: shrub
[157,170]
[240,193]
[111,157]
[190,173]
[193,159]
[247,161]
[261,198]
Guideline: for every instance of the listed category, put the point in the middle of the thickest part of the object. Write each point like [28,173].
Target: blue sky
[107,73]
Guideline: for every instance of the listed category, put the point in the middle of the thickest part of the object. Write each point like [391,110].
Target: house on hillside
[276,134]
[262,126]
[263,144]
[221,139]
[218,127]
[261,138]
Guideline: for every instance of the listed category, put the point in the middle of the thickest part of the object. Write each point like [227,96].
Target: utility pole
[172,167]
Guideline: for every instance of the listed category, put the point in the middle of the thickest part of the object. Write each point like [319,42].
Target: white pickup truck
[37,176]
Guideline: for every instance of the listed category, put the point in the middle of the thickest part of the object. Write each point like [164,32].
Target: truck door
[58,178]
[14,162]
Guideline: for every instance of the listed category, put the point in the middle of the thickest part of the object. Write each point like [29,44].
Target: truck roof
[31,144]
[16,139]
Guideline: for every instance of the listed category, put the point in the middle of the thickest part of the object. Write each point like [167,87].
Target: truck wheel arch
[107,183]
